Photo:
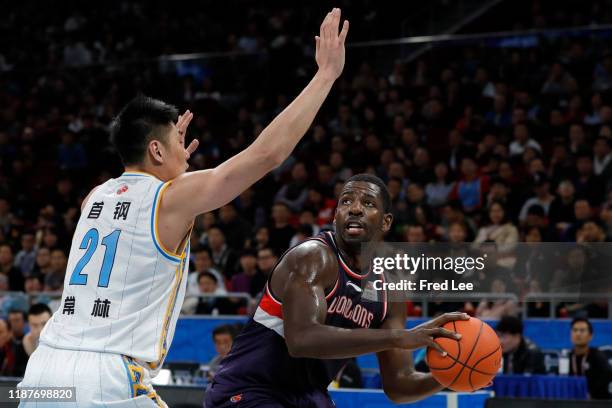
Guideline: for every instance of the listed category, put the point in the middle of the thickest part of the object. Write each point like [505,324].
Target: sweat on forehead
[361,185]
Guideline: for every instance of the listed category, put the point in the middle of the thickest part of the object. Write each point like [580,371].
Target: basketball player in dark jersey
[312,319]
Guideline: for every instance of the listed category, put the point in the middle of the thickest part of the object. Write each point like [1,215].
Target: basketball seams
[455,360]
[473,368]
[469,355]
[465,365]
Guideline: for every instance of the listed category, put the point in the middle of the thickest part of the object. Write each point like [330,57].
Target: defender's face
[360,214]
[177,153]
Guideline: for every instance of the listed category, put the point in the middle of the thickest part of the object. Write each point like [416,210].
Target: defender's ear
[156,151]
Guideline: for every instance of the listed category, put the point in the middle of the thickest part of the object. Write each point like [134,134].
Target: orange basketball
[472,362]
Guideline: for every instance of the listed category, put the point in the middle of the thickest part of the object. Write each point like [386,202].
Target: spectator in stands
[26,257]
[208,285]
[6,216]
[233,226]
[500,230]
[224,258]
[38,315]
[7,358]
[522,140]
[262,238]
[498,308]
[582,214]
[281,231]
[33,284]
[520,355]
[266,260]
[223,338]
[415,234]
[295,193]
[561,211]
[438,191]
[602,160]
[42,265]
[54,279]
[206,221]
[471,190]
[588,185]
[606,217]
[203,263]
[543,198]
[249,280]
[16,325]
[304,231]
[589,361]
[8,269]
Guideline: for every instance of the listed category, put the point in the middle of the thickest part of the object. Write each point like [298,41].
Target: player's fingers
[335,24]
[442,332]
[437,347]
[188,119]
[324,24]
[317,43]
[193,146]
[451,317]
[344,32]
[329,32]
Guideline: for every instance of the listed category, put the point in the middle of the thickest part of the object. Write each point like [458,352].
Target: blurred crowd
[476,144]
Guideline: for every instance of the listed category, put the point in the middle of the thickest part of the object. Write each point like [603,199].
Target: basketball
[471,362]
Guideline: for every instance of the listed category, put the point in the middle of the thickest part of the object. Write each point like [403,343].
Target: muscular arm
[308,270]
[401,382]
[202,191]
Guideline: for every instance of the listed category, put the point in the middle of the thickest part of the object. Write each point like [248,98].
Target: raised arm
[310,269]
[401,382]
[201,191]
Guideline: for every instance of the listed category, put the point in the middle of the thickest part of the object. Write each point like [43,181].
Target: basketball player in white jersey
[127,269]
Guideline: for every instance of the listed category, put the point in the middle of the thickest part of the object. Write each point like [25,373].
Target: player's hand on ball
[330,44]
[424,334]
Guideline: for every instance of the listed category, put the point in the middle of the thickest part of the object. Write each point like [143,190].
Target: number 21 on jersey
[90,244]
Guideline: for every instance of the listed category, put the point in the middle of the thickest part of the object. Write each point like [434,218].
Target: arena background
[459,106]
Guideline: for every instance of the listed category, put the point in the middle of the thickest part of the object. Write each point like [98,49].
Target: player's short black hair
[38,309]
[370,178]
[582,319]
[138,122]
[510,324]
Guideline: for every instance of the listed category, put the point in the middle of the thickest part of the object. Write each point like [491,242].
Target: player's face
[177,155]
[360,215]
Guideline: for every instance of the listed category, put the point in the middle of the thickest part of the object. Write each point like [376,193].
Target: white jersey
[123,290]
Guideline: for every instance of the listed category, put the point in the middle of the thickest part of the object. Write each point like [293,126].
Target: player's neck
[350,252]
[146,170]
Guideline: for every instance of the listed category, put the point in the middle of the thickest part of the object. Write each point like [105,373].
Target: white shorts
[100,379]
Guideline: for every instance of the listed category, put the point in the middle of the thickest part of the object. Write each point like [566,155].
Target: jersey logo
[122,189]
[236,398]
[352,285]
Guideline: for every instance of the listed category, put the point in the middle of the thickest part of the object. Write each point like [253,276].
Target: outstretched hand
[182,124]
[330,44]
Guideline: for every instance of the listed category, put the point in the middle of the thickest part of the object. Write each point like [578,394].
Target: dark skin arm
[300,280]
[401,382]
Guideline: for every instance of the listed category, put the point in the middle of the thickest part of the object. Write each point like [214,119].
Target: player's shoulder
[312,252]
